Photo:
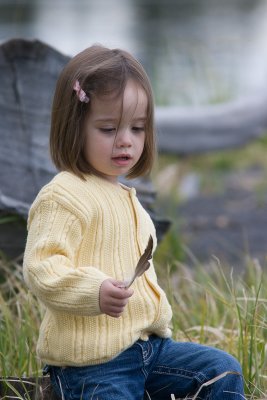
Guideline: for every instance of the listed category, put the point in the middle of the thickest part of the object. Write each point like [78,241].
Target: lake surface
[195,51]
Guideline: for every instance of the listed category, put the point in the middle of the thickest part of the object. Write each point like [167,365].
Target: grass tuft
[216,307]
[20,316]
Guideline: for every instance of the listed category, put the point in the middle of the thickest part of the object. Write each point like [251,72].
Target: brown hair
[100,71]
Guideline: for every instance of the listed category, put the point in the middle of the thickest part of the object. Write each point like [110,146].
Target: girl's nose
[123,139]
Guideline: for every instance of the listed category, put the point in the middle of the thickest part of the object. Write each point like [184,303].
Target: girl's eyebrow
[112,119]
[106,119]
[140,118]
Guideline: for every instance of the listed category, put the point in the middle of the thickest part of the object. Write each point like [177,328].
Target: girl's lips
[122,160]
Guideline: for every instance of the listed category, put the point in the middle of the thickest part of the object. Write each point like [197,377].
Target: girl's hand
[113,298]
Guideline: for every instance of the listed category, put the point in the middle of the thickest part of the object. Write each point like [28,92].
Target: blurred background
[198,53]
[195,51]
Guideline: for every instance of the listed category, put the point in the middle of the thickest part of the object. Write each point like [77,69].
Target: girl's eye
[107,130]
[138,129]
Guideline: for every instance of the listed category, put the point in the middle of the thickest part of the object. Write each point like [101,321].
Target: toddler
[86,233]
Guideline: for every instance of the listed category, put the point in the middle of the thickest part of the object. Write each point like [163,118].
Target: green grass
[211,306]
[20,316]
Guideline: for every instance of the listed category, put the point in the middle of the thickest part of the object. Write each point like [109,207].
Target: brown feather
[143,263]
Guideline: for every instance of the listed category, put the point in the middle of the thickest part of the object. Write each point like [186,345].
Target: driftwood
[217,127]
[28,72]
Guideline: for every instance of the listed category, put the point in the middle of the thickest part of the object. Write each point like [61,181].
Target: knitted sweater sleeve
[50,271]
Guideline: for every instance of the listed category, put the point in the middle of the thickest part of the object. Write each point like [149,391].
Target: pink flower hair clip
[80,93]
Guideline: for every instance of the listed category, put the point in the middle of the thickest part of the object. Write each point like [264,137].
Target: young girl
[86,233]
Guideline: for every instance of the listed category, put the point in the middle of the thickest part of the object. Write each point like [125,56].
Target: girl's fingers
[112,298]
[113,302]
[119,292]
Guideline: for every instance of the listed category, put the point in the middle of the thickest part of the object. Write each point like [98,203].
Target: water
[195,51]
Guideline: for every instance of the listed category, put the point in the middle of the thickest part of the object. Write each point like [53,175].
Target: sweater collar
[98,180]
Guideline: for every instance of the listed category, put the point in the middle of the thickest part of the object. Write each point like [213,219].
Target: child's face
[115,137]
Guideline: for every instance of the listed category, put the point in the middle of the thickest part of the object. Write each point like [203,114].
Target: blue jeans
[153,369]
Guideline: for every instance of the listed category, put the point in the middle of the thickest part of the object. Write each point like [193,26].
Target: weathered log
[216,127]
[28,72]
[27,388]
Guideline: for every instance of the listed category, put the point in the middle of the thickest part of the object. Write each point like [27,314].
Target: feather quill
[143,263]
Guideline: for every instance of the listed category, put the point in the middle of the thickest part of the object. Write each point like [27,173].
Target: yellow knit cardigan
[79,234]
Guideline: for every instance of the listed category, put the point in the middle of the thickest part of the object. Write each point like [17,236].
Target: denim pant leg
[181,368]
[119,379]
[159,367]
